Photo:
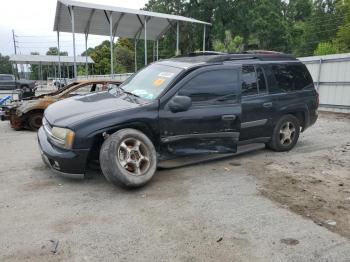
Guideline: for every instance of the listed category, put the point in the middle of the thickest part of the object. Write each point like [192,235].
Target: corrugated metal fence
[331,74]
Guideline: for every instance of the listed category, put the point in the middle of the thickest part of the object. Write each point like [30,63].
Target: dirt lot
[314,179]
[260,206]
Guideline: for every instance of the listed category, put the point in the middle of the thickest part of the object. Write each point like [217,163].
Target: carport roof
[94,19]
[49,59]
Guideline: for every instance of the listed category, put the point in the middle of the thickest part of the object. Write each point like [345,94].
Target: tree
[54,51]
[5,65]
[343,34]
[230,45]
[326,48]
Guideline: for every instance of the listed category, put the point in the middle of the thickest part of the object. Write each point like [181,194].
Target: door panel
[257,107]
[212,123]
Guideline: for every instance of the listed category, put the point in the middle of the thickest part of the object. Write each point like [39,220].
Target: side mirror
[180,104]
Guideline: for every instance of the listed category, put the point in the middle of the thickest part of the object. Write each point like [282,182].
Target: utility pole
[15,47]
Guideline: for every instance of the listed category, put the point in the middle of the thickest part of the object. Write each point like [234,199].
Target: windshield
[150,81]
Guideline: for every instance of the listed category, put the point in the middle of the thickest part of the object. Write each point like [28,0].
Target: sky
[32,21]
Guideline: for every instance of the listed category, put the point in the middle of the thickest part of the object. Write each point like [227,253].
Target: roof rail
[201,53]
[263,52]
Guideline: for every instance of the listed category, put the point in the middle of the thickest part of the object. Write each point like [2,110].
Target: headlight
[63,136]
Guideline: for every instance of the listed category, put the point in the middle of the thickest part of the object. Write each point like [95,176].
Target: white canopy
[49,59]
[87,18]
[94,19]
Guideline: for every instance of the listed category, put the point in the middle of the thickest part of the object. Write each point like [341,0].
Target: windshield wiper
[128,93]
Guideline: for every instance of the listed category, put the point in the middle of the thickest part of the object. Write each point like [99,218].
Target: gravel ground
[260,206]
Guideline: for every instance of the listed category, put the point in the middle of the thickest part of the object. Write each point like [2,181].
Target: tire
[35,121]
[285,134]
[25,88]
[128,158]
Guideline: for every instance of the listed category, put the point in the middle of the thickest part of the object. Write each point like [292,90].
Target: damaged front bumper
[5,113]
[67,163]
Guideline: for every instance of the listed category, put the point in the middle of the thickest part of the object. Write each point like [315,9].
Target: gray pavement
[205,212]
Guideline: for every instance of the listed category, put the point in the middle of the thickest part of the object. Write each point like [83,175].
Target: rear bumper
[67,163]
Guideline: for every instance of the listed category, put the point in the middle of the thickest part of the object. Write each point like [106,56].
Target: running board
[197,159]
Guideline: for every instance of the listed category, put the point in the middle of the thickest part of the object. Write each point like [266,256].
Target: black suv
[198,104]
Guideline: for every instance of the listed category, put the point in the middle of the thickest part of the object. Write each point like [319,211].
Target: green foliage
[326,48]
[54,51]
[229,45]
[5,65]
[293,26]
[123,57]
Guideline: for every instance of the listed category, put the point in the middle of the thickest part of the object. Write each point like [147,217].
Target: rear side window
[249,81]
[216,87]
[261,80]
[292,77]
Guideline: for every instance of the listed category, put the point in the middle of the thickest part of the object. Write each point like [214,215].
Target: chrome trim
[233,135]
[260,122]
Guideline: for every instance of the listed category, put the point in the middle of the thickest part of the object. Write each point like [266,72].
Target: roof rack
[201,53]
[267,52]
[217,57]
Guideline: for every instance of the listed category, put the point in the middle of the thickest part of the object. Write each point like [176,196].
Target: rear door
[257,106]
[211,124]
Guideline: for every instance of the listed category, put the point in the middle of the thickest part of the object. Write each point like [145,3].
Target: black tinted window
[5,77]
[292,77]
[249,81]
[218,86]
[261,80]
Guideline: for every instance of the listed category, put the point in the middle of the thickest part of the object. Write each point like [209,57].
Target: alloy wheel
[287,133]
[134,156]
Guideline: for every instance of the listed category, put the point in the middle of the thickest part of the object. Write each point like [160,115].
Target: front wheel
[128,158]
[285,134]
[35,120]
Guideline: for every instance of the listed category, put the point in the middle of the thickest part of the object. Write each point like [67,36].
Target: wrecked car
[28,113]
[199,104]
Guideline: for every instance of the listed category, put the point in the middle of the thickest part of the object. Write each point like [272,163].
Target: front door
[206,117]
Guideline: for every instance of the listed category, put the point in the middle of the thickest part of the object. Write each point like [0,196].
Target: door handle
[267,105]
[228,117]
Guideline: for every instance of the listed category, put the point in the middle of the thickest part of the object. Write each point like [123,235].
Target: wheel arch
[301,112]
[99,137]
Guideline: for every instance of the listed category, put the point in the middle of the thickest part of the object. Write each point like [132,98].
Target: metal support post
[59,54]
[86,57]
[71,8]
[177,38]
[204,29]
[319,74]
[135,53]
[111,42]
[145,41]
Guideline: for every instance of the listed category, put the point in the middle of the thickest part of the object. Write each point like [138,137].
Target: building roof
[94,19]
[48,59]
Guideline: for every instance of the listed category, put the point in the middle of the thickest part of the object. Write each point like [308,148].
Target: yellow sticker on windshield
[158,82]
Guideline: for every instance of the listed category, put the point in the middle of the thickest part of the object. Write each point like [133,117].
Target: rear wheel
[285,134]
[128,158]
[35,121]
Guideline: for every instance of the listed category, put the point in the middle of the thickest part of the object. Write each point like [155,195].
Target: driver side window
[218,86]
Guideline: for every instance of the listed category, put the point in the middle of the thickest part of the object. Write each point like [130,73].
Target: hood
[27,105]
[67,112]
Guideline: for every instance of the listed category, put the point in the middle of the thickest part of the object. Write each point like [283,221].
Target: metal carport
[86,18]
[50,60]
